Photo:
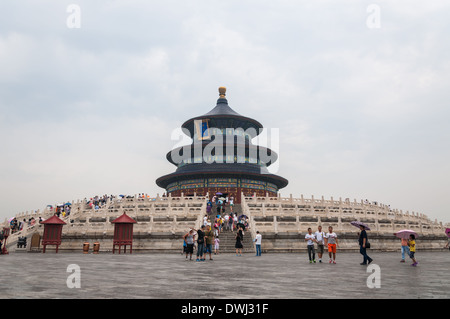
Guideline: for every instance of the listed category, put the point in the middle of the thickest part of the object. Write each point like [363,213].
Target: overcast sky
[360,94]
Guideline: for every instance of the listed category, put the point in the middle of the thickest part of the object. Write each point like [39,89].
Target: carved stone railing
[338,213]
[161,214]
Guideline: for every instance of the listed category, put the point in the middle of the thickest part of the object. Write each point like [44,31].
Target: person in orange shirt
[405,249]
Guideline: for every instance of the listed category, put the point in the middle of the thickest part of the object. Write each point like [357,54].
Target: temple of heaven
[221,157]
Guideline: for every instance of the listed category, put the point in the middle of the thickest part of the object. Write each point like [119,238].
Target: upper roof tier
[223,116]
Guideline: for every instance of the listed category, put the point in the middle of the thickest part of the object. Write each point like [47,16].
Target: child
[310,238]
[216,245]
[412,249]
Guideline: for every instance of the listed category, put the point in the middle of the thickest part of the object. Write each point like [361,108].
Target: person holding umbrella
[363,241]
[363,245]
[405,249]
[404,236]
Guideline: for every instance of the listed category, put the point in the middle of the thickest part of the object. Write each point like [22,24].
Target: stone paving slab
[271,276]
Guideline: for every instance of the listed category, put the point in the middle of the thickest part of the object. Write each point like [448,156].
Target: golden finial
[222,91]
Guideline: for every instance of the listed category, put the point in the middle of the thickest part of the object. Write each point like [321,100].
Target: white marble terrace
[289,214]
[267,214]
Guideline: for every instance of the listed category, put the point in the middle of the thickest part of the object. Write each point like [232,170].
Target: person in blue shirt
[362,246]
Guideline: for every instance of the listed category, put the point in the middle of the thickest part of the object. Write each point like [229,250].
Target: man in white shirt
[320,235]
[332,243]
[257,240]
[227,226]
[310,238]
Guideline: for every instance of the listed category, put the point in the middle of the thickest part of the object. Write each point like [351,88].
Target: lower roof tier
[232,184]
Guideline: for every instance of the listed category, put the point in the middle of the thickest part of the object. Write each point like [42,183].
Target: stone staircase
[228,241]
[228,238]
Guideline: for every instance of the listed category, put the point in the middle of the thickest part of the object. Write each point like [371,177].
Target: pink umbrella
[404,233]
[447,231]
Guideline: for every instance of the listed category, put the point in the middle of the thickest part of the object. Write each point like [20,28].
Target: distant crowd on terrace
[16,225]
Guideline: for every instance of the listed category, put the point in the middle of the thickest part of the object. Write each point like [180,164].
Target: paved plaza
[271,276]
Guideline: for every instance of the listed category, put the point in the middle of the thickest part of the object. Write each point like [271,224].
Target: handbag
[367,244]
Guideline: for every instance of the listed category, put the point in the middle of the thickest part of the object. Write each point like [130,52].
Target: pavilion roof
[54,220]
[124,219]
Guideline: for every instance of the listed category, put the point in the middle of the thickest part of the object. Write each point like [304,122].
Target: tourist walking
[208,208]
[225,221]
[230,222]
[332,242]
[216,245]
[189,240]
[184,247]
[258,239]
[405,249]
[412,249]
[310,238]
[216,227]
[363,243]
[239,239]
[200,243]
[320,235]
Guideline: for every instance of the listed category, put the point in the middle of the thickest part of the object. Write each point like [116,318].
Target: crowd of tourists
[330,241]
[63,210]
[219,218]
[318,240]
[206,241]
[98,202]
[206,238]
[15,225]
[220,203]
